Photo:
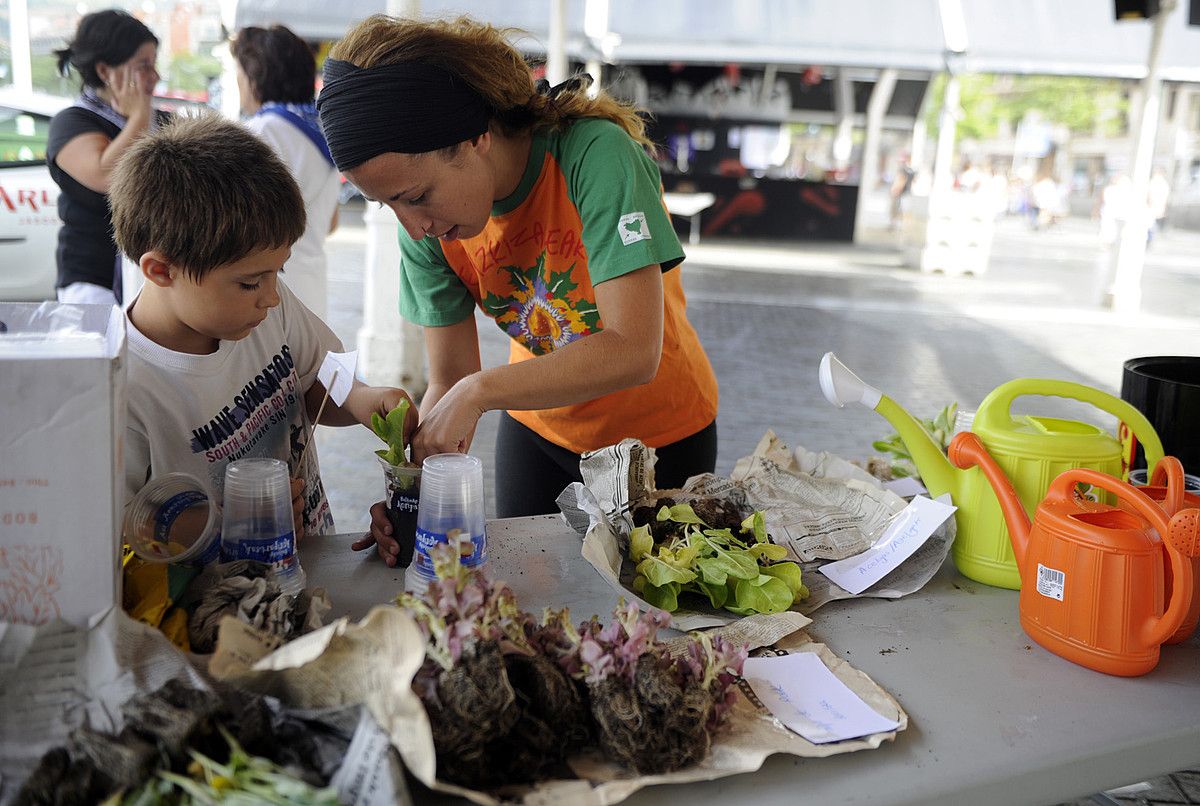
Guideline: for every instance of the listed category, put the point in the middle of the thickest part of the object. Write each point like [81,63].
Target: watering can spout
[841,386]
[966,451]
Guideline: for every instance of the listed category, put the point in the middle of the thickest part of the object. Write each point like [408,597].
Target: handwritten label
[806,697]
[904,535]
[337,374]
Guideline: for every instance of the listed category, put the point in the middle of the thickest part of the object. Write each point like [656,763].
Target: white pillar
[18,37]
[881,96]
[391,350]
[1131,252]
[556,52]
[843,107]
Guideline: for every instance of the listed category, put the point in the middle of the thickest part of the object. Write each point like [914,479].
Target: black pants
[531,471]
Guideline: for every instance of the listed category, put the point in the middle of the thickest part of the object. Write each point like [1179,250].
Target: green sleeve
[430,292]
[617,190]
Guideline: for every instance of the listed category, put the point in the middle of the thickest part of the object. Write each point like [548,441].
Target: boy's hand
[379,536]
[298,507]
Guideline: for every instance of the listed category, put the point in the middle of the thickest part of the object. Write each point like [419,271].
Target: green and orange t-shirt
[588,209]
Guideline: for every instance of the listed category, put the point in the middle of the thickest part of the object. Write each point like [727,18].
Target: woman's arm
[625,353]
[90,158]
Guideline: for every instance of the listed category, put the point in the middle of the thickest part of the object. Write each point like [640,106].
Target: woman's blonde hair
[481,55]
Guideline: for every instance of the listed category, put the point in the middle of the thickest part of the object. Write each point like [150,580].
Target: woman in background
[114,55]
[277,84]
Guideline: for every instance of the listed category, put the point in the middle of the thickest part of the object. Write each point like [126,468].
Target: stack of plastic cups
[451,508]
[258,519]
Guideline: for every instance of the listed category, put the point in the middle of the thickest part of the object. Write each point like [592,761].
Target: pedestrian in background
[114,55]
[540,206]
[276,75]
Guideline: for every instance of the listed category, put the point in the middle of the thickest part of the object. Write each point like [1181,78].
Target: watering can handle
[1157,629]
[998,404]
[1169,472]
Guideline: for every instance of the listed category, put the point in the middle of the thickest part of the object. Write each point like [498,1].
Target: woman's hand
[129,96]
[450,425]
[379,536]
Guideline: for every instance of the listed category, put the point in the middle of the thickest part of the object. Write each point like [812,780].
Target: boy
[223,358]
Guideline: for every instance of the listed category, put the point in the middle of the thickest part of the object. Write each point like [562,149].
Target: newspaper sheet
[818,505]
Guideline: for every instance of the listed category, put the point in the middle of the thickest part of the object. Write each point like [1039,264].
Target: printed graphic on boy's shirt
[544,309]
[259,408]
[633,228]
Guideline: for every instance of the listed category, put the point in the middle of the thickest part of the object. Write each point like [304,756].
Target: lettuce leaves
[743,573]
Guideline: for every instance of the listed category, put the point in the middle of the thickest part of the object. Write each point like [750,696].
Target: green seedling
[941,428]
[391,430]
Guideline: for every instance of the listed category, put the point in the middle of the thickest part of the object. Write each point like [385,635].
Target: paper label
[905,487]
[1051,583]
[808,698]
[426,540]
[336,374]
[904,535]
[266,550]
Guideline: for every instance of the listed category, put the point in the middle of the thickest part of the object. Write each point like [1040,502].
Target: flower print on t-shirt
[544,309]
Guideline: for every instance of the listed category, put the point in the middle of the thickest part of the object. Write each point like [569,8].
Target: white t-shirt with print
[306,271]
[197,413]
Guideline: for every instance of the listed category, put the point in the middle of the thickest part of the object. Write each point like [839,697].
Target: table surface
[993,717]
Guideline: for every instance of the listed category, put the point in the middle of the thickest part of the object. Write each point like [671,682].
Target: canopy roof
[1055,37]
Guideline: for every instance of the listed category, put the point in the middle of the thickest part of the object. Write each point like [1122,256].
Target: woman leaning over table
[540,206]
[114,55]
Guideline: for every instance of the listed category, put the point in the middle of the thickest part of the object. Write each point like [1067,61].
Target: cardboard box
[62,416]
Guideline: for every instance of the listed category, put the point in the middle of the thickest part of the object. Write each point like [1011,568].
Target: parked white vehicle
[28,196]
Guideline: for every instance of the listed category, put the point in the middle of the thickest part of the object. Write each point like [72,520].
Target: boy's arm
[361,403]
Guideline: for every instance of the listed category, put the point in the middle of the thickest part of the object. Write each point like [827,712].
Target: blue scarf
[89,100]
[304,118]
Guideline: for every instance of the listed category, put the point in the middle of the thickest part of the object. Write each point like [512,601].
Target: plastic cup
[402,486]
[174,518]
[258,519]
[451,505]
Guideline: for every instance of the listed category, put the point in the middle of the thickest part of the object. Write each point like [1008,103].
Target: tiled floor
[766,314]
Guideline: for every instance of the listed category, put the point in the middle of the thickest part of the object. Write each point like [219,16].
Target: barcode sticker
[1050,583]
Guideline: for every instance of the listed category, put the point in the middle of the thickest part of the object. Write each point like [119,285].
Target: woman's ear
[157,269]
[482,143]
[103,71]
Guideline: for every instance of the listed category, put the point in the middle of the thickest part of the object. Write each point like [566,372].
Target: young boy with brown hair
[223,358]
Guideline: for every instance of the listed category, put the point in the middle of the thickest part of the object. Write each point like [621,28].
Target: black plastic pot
[1167,390]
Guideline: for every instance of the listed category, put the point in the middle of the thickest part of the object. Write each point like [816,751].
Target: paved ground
[766,313]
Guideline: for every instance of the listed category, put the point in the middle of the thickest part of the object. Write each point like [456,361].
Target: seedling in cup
[402,479]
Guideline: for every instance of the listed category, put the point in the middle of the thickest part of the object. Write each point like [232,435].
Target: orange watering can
[1167,488]
[1092,575]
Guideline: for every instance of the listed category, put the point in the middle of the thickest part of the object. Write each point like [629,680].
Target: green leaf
[764,594]
[789,573]
[738,563]
[717,595]
[683,513]
[757,526]
[664,597]
[768,551]
[661,573]
[641,543]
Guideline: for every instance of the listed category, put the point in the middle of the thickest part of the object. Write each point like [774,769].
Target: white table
[690,205]
[994,718]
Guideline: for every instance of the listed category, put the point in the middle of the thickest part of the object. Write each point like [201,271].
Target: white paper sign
[806,697]
[337,374]
[906,533]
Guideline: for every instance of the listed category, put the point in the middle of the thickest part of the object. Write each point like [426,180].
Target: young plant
[391,430]
[744,573]
[940,428]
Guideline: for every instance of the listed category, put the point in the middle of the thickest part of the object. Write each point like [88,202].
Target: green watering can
[1031,450]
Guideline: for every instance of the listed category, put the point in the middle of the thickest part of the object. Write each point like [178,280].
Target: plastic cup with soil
[402,485]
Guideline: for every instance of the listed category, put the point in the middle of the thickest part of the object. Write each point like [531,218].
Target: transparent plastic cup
[257,522]
[402,487]
[451,505]
[174,518]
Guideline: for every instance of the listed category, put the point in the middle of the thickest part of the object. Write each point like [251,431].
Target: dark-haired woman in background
[276,84]
[114,54]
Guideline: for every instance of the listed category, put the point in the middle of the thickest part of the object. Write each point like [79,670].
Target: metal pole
[1131,252]
[881,96]
[18,37]
[556,52]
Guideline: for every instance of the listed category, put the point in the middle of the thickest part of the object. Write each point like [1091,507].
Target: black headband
[409,108]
